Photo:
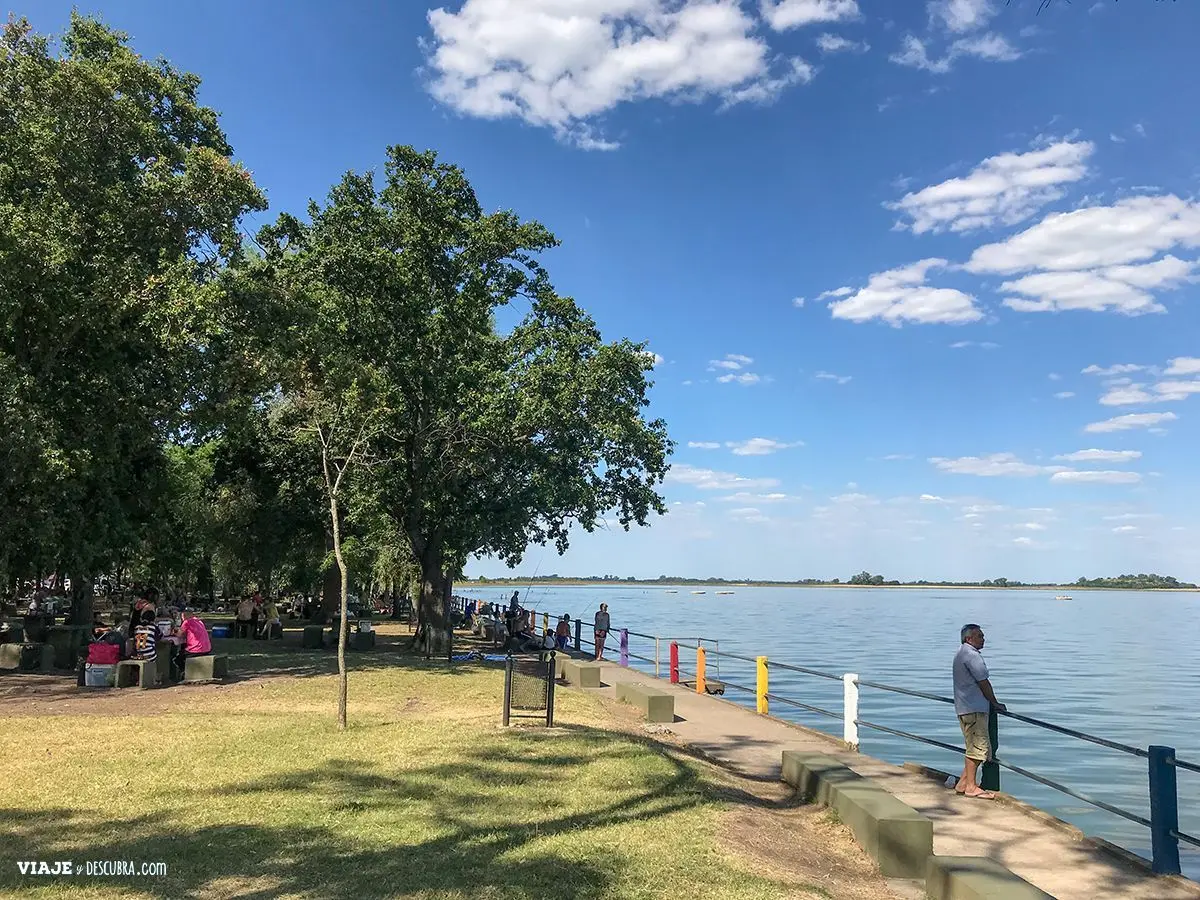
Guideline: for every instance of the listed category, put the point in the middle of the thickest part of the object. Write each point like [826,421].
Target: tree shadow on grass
[444,834]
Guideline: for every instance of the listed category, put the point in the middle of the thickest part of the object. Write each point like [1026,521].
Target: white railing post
[657,673]
[850,710]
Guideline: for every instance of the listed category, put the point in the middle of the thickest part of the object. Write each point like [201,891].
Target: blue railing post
[625,647]
[578,633]
[989,778]
[1164,811]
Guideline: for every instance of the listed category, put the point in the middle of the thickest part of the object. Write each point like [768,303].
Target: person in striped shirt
[145,638]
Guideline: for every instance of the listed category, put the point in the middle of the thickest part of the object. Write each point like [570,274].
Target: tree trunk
[343,629]
[433,615]
[82,612]
[330,586]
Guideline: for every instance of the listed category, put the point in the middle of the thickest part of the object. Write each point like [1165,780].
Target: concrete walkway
[1041,852]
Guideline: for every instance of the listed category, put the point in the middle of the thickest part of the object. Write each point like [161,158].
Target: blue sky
[905,263]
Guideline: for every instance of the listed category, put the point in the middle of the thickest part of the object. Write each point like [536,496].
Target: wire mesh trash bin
[529,689]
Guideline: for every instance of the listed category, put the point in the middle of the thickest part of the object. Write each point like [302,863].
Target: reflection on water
[1114,664]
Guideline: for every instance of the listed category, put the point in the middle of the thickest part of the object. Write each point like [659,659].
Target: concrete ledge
[30,656]
[211,667]
[896,836]
[658,706]
[580,672]
[976,878]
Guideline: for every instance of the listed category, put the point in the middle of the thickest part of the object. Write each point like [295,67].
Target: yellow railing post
[762,685]
[545,621]
[700,670]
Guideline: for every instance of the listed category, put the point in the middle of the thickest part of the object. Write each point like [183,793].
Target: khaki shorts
[975,733]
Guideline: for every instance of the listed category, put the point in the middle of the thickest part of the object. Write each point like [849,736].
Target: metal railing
[1162,762]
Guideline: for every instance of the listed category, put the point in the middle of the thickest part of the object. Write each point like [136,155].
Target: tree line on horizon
[865,579]
[365,392]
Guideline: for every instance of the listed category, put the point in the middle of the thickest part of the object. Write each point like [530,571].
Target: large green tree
[482,440]
[119,202]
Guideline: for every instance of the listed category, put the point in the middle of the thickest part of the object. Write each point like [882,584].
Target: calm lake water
[1120,665]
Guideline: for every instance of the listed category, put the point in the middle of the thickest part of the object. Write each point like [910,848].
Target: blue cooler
[220,631]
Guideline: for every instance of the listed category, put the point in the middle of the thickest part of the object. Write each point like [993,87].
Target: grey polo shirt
[969,670]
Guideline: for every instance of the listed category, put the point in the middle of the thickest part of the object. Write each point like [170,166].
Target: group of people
[515,626]
[148,633]
[256,617]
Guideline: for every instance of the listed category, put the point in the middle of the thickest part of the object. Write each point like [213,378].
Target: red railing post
[674,663]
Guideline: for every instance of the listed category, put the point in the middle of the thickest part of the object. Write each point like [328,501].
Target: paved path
[1040,852]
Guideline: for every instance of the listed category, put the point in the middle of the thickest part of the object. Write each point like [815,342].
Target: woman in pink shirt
[193,641]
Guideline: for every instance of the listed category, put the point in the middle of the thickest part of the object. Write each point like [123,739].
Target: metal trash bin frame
[534,694]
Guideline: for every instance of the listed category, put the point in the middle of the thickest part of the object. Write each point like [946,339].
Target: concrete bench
[361,640]
[313,637]
[895,835]
[144,673]
[658,706]
[580,673]
[976,878]
[27,657]
[211,667]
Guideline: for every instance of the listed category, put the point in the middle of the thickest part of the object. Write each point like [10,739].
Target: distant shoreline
[516,582]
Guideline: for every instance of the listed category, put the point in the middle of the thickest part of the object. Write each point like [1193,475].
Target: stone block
[580,672]
[658,706]
[362,640]
[976,878]
[895,835]
[139,673]
[212,667]
[313,637]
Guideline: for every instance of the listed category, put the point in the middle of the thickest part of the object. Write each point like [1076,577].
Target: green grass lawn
[249,790]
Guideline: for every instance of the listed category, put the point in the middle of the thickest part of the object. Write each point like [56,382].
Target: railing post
[1164,811]
[674,662]
[508,674]
[989,776]
[850,710]
[545,621]
[578,632]
[625,647]
[700,684]
[657,672]
[761,686]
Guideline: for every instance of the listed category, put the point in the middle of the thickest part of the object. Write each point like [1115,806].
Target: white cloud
[984,508]
[833,43]
[1125,529]
[829,376]
[992,465]
[784,14]
[1064,395]
[1097,477]
[1004,190]
[835,293]
[1031,526]
[704,445]
[1133,420]
[901,295]
[983,345]
[745,378]
[1109,456]
[1024,541]
[1184,365]
[798,302]
[760,446]
[1128,395]
[990,47]
[562,65]
[747,497]
[856,499]
[962,15]
[1127,517]
[1119,369]
[1098,257]
[895,456]
[1176,390]
[709,480]
[932,498]
[731,361]
[654,359]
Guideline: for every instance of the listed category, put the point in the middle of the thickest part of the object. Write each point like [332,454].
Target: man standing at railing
[973,701]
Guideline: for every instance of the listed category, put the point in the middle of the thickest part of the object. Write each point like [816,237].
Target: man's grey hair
[968,631]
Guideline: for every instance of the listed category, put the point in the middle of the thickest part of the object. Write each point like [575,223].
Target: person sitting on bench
[270,616]
[195,642]
[144,644]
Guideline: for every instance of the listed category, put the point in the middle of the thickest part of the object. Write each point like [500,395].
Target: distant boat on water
[697,592]
[672,592]
[1062,597]
[724,592]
